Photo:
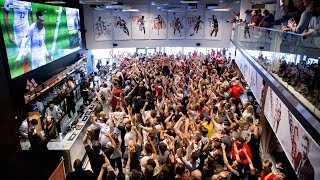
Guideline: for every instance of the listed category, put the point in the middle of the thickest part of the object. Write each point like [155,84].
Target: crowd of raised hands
[190,124]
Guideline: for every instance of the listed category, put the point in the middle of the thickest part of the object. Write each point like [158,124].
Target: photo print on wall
[140,23]
[177,24]
[121,26]
[301,149]
[158,25]
[213,24]
[195,25]
[102,25]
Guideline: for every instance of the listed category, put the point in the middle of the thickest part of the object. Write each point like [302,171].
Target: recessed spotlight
[221,9]
[130,10]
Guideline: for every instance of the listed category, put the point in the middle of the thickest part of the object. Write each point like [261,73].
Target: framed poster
[301,149]
[213,24]
[195,24]
[158,24]
[140,23]
[177,25]
[102,25]
[121,25]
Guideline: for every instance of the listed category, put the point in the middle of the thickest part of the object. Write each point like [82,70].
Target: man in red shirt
[238,148]
[158,88]
[116,92]
[236,90]
[267,173]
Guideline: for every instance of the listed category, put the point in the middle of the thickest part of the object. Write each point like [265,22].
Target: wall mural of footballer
[36,34]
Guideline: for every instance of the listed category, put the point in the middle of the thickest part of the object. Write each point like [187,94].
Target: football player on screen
[21,10]
[36,35]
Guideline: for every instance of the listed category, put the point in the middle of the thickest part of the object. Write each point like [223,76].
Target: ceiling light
[221,9]
[117,6]
[187,2]
[130,10]
[170,8]
[176,10]
[55,2]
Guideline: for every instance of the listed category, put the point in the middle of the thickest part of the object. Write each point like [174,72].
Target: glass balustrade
[292,59]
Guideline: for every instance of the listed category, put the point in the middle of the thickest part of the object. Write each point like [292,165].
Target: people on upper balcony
[306,16]
[255,18]
[298,9]
[267,19]
[314,24]
[283,17]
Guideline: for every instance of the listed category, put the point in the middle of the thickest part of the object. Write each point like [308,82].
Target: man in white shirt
[23,129]
[21,10]
[130,135]
[105,125]
[55,112]
[105,91]
[36,35]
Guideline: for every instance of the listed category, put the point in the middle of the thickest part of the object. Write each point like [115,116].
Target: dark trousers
[118,162]
[69,109]
[165,71]
[85,98]
[58,126]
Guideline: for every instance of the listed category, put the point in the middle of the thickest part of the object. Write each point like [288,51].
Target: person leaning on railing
[305,18]
[314,24]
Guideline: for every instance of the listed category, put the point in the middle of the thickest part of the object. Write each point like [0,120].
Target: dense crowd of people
[302,76]
[168,118]
[300,16]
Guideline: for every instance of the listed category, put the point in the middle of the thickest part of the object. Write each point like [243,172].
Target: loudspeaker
[198,44]
[115,45]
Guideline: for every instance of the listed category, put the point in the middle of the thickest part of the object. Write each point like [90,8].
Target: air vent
[258,6]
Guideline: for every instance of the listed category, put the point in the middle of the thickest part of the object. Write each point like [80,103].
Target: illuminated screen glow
[37,34]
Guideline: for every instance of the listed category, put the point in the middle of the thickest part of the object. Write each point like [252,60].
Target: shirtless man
[165,65]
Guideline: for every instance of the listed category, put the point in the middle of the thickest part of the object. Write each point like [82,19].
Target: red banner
[59,173]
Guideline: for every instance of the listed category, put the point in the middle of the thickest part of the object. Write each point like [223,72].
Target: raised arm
[154,150]
[236,151]
[105,166]
[249,160]
[148,129]
[229,119]
[94,122]
[168,118]
[113,143]
[225,160]
[86,138]
[138,135]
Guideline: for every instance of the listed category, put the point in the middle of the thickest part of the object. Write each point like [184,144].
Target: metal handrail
[277,30]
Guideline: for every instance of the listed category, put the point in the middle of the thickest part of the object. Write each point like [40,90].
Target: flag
[28,85]
[33,84]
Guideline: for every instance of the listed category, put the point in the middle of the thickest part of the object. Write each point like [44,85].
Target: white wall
[225,29]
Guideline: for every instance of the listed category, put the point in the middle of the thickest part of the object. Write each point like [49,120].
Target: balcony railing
[292,59]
